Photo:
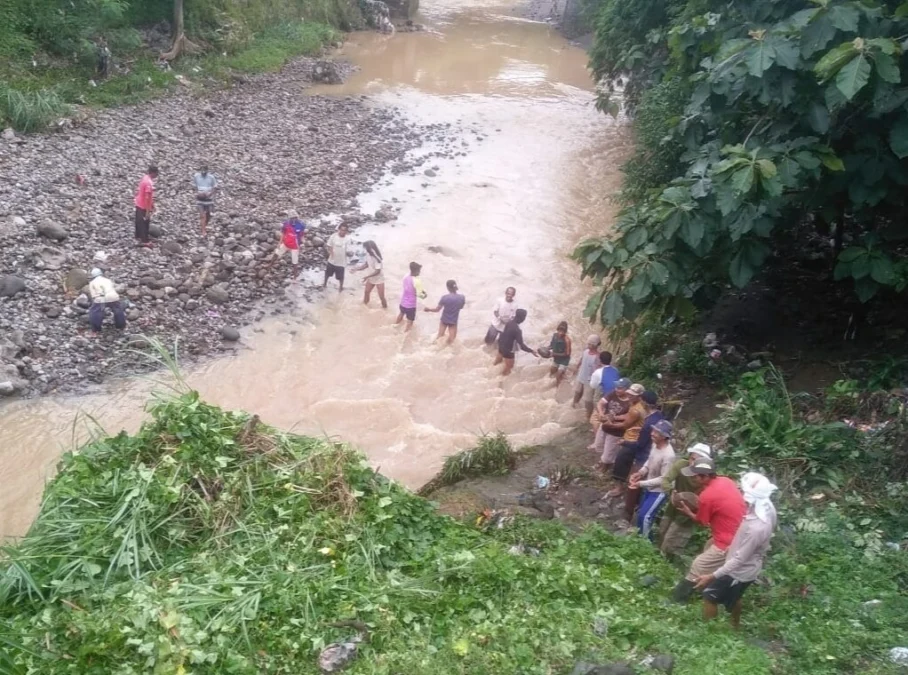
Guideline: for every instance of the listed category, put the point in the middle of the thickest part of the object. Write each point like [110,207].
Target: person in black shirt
[512,335]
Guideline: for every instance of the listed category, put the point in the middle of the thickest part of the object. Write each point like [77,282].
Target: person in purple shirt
[450,305]
[412,289]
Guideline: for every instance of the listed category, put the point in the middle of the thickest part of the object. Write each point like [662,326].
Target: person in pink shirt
[412,288]
[145,205]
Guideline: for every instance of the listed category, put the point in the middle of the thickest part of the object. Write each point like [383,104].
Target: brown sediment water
[507,213]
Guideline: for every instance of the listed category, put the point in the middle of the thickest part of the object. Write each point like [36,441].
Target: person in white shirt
[205,186]
[504,311]
[376,276]
[649,477]
[103,297]
[337,256]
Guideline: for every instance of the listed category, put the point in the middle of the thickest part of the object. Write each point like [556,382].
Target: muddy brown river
[507,213]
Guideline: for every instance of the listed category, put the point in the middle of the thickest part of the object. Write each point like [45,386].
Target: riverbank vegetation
[771,136]
[49,49]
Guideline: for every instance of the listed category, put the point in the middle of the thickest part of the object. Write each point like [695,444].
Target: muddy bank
[69,195]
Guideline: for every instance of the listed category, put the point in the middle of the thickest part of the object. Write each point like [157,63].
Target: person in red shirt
[144,202]
[721,508]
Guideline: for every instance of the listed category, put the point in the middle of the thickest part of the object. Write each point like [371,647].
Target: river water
[507,213]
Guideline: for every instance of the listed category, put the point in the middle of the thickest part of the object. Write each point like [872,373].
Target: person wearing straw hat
[649,477]
[721,508]
[676,529]
[745,556]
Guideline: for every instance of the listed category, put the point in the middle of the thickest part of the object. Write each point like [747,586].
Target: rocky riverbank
[65,197]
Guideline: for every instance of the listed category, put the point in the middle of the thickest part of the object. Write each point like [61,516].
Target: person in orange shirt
[144,202]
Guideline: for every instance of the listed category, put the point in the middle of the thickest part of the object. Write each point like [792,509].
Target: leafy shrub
[491,455]
[31,111]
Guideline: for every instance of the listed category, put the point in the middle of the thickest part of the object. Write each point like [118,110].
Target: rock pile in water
[66,205]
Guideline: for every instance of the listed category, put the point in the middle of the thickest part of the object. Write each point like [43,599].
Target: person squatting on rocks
[376,276]
[744,557]
[205,186]
[675,528]
[510,337]
[336,246]
[450,305]
[649,477]
[504,311]
[103,297]
[144,203]
[721,508]
[588,363]
[293,231]
[560,346]
[411,290]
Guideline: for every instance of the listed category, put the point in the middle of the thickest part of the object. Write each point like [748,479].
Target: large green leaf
[817,35]
[818,117]
[760,57]
[787,53]
[740,271]
[898,137]
[592,305]
[612,308]
[639,287]
[658,273]
[865,289]
[887,68]
[882,270]
[844,17]
[692,232]
[853,76]
[743,180]
[834,59]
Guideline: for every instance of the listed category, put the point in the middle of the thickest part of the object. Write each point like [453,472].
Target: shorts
[375,281]
[725,591]
[505,354]
[336,271]
[205,207]
[561,367]
[409,312]
[586,389]
[282,249]
[707,562]
[453,324]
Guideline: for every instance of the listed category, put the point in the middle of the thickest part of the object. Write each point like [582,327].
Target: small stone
[133,314]
[52,230]
[172,247]
[10,284]
[53,312]
[9,134]
[230,333]
[155,231]
[430,173]
[664,663]
[648,580]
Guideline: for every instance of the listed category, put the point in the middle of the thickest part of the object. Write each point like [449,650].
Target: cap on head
[636,389]
[623,383]
[700,450]
[702,466]
[649,397]
[593,341]
[664,428]
[96,272]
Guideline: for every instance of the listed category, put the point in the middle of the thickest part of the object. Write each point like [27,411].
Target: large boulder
[10,381]
[76,280]
[327,72]
[49,258]
[10,285]
[217,295]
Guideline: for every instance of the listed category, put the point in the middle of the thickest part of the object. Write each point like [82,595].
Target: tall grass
[492,455]
[31,111]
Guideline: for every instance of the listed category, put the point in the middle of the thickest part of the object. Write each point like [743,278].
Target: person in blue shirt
[605,377]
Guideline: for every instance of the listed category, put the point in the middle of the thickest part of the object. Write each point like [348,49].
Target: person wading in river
[450,305]
[412,289]
[144,203]
[205,186]
[376,276]
[504,311]
[511,337]
[561,353]
[337,257]
[587,365]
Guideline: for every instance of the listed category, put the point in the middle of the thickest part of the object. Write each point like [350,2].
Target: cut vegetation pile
[208,543]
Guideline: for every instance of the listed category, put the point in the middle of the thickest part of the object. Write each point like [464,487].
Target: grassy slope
[199,547]
[40,95]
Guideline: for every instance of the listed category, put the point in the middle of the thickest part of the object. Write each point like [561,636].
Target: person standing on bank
[376,276]
[745,555]
[589,361]
[205,186]
[561,352]
[504,311]
[450,305]
[412,289]
[511,337]
[649,477]
[337,256]
[676,529]
[144,203]
[630,456]
[721,507]
[103,297]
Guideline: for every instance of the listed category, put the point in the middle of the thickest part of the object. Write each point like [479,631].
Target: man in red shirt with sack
[721,508]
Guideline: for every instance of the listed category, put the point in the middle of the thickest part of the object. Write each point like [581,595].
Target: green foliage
[206,544]
[490,456]
[31,111]
[795,118]
[271,50]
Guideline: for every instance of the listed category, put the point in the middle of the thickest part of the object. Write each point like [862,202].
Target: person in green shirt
[676,529]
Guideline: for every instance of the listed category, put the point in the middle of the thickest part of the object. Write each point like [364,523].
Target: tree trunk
[181,44]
